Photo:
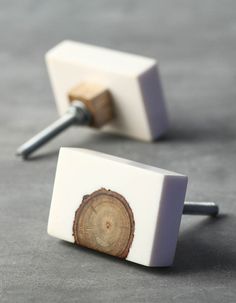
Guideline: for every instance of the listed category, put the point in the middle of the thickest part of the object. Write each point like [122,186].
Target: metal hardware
[77,114]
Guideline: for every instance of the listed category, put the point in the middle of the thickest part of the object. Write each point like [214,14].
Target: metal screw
[201,208]
[77,114]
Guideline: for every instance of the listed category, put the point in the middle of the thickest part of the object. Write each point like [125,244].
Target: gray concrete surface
[195,44]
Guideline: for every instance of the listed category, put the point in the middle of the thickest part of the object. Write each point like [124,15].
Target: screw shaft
[201,208]
[76,114]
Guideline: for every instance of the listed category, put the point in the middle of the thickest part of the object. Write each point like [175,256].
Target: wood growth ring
[104,222]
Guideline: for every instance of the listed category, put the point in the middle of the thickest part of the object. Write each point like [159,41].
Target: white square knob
[116,206]
[133,82]
[110,90]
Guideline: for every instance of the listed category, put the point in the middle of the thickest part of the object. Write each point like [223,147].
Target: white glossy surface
[132,80]
[156,197]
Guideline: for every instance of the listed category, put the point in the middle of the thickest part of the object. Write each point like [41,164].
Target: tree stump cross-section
[104,222]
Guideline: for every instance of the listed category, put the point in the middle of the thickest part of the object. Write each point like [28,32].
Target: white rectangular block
[120,207]
[132,80]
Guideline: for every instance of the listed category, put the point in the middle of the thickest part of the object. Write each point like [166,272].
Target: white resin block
[132,80]
[154,197]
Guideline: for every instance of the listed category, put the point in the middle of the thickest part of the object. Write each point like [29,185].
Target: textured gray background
[195,42]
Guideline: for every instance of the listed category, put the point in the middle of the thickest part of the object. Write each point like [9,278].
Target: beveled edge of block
[124,161]
[168,220]
[60,51]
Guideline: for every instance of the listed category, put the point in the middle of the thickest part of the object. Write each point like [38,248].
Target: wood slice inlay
[104,222]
